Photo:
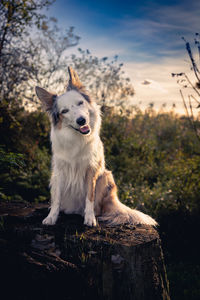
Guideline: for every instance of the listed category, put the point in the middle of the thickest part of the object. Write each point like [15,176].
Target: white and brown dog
[80,183]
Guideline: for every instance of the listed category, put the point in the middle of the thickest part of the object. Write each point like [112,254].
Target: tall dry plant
[192,99]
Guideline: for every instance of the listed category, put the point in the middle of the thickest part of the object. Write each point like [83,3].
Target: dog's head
[73,110]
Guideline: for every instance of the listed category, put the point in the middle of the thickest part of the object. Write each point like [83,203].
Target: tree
[49,58]
[16,19]
[104,78]
[33,52]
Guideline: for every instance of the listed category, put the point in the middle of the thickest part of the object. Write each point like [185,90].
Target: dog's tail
[121,214]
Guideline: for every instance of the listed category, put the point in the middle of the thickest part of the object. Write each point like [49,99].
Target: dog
[80,183]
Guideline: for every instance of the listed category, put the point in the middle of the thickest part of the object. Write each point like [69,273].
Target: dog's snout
[81,121]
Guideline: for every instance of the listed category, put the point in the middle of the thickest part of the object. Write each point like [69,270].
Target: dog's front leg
[55,203]
[89,218]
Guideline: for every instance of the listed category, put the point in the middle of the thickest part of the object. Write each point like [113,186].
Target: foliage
[9,163]
[15,16]
[9,160]
[16,19]
[24,155]
[155,160]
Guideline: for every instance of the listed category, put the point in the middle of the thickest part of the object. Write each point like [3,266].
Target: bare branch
[192,119]
[194,88]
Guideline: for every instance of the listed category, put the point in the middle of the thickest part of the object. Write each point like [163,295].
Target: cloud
[146,82]
[161,28]
[184,16]
[153,82]
[153,85]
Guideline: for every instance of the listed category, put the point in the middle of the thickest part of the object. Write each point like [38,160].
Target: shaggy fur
[79,182]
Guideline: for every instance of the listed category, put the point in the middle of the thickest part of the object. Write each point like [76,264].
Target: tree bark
[72,261]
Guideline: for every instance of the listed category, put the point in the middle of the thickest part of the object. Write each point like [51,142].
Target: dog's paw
[90,220]
[49,220]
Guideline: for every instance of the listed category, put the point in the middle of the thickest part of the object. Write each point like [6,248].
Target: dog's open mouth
[84,129]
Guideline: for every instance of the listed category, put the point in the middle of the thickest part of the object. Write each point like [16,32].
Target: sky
[146,35]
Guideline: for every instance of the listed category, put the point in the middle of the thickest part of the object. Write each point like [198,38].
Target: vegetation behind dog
[155,158]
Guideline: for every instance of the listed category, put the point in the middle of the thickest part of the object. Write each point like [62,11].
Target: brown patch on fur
[92,176]
[106,193]
[59,124]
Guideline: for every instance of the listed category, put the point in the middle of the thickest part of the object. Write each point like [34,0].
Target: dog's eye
[64,111]
[80,103]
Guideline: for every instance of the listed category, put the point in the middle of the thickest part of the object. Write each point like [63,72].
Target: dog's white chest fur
[73,191]
[71,158]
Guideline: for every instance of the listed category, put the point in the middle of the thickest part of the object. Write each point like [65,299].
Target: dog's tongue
[84,128]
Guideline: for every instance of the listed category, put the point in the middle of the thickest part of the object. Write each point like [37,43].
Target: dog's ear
[46,98]
[75,84]
[74,81]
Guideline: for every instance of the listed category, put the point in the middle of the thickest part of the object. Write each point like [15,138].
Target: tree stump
[72,261]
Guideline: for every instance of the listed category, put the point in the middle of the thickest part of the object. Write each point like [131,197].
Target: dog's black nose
[81,121]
